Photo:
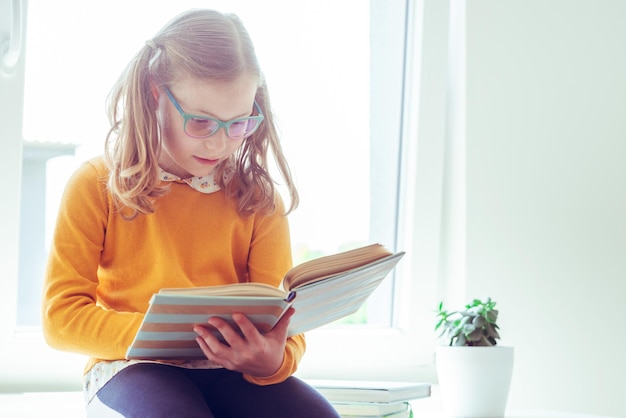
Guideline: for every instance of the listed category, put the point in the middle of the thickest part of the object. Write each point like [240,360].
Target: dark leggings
[156,390]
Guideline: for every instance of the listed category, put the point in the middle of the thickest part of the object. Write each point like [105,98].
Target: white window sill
[71,404]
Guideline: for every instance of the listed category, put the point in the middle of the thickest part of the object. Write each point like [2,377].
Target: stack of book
[361,399]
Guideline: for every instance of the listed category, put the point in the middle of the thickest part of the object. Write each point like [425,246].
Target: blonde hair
[206,45]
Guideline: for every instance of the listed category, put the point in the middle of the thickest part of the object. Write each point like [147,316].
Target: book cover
[401,414]
[321,291]
[370,409]
[370,391]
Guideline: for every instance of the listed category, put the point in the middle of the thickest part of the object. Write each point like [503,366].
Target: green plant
[474,326]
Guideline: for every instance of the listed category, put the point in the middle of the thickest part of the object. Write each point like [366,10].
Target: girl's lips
[205,161]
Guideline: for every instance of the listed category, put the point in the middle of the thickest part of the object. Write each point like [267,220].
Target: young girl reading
[182,197]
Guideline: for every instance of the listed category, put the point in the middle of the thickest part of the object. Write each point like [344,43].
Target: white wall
[546,193]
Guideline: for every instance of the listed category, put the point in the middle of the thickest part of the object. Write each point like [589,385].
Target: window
[320,88]
[345,92]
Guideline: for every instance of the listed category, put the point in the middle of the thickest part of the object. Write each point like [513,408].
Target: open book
[321,291]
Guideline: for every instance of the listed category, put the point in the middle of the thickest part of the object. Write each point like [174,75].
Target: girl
[181,198]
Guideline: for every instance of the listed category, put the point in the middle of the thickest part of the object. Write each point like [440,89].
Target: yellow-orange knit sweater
[103,269]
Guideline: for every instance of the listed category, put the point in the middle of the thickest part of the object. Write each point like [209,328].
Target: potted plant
[474,326]
[474,372]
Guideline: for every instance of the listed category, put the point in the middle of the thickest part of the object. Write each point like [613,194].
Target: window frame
[405,351]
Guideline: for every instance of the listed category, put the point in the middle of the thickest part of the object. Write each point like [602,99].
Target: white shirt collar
[204,184]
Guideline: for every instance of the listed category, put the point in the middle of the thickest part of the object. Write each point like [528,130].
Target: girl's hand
[253,353]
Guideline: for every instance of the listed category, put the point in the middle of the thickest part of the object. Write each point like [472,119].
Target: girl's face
[186,156]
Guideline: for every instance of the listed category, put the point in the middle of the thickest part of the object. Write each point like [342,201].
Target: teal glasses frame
[199,127]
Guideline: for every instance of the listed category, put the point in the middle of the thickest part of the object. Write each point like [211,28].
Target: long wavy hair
[206,45]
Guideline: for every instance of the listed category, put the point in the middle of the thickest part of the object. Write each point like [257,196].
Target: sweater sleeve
[270,258]
[72,318]
[294,350]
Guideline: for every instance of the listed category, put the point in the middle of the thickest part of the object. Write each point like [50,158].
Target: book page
[322,302]
[323,267]
[235,289]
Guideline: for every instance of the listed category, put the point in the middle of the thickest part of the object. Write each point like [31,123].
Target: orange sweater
[103,269]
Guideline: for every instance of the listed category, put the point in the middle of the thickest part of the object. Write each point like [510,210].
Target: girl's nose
[217,141]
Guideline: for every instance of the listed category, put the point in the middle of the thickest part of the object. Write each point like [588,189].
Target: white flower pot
[474,381]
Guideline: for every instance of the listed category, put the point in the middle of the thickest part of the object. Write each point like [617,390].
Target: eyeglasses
[204,126]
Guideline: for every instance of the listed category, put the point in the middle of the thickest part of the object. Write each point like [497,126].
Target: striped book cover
[167,329]
[331,294]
